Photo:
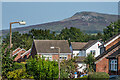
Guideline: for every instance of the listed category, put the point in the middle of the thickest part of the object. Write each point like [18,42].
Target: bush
[17,65]
[98,75]
[18,74]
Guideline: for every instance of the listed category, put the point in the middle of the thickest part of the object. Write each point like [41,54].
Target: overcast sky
[43,12]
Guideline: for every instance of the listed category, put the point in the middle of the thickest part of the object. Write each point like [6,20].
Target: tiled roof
[89,44]
[78,45]
[115,54]
[26,52]
[43,46]
[18,52]
[83,45]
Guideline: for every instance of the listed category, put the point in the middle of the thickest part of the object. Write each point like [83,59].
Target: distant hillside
[89,22]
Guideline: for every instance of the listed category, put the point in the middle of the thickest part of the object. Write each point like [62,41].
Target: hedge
[98,76]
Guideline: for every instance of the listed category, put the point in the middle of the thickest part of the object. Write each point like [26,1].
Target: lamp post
[21,23]
[58,58]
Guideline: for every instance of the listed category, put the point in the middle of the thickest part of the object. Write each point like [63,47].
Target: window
[63,57]
[93,52]
[47,57]
[113,65]
[81,53]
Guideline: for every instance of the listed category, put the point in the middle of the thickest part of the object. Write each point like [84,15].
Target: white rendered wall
[94,47]
[75,52]
[81,67]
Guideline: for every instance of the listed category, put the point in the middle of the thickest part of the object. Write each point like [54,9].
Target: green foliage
[42,69]
[7,62]
[90,61]
[111,30]
[68,67]
[17,65]
[98,76]
[73,34]
[0,59]
[42,34]
[25,40]
[18,74]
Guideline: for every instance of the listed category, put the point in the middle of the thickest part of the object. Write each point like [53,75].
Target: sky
[42,12]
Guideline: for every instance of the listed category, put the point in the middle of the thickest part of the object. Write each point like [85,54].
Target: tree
[111,30]
[68,67]
[42,34]
[7,62]
[90,62]
[18,72]
[73,33]
[42,69]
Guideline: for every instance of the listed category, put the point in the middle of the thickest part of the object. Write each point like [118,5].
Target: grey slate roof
[43,46]
[115,54]
[78,45]
[83,45]
[89,44]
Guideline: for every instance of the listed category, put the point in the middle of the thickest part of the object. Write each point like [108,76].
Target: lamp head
[52,47]
[22,23]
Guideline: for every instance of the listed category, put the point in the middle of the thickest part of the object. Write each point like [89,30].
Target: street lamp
[21,23]
[58,58]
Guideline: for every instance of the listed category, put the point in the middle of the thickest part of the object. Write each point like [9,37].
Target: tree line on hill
[73,34]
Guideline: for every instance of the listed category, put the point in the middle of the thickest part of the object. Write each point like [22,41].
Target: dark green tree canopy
[111,30]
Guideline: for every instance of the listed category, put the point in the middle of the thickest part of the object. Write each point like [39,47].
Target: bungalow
[109,60]
[43,48]
[81,50]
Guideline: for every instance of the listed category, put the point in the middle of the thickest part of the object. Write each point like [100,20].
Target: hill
[89,22]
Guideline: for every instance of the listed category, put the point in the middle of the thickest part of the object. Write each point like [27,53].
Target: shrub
[18,74]
[17,65]
[98,76]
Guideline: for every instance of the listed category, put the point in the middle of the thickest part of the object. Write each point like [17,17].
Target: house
[77,48]
[109,60]
[82,49]
[20,54]
[43,48]
[24,56]
[16,50]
